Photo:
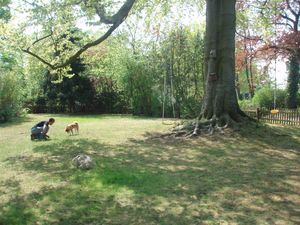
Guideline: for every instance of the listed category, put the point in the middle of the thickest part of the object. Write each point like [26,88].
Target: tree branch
[290,8]
[102,15]
[248,37]
[285,24]
[280,48]
[85,47]
[38,57]
[123,11]
[42,38]
[34,4]
[287,18]
[117,19]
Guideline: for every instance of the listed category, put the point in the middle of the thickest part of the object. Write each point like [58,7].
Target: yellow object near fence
[289,117]
[274,111]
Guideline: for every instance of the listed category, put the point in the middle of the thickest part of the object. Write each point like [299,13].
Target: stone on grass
[83,161]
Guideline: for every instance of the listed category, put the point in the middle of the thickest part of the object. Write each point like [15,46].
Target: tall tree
[220,104]
[289,15]
[292,82]
[285,15]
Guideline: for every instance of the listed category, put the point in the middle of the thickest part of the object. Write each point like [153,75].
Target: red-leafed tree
[246,53]
[285,15]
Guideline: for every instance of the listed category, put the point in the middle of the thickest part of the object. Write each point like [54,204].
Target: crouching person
[40,130]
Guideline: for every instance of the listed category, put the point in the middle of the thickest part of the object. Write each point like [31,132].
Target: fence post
[258,113]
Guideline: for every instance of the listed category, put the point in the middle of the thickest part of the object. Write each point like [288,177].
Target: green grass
[249,177]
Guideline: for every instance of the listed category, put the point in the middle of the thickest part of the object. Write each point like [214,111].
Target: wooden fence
[289,117]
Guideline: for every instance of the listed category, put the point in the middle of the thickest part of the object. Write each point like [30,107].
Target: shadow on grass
[276,136]
[237,178]
[16,121]
[18,210]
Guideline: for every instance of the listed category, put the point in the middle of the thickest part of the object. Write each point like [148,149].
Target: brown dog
[73,126]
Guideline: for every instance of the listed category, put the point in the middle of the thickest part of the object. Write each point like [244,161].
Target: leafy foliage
[265,98]
[4,10]
[182,60]
[293,82]
[55,18]
[11,86]
[144,76]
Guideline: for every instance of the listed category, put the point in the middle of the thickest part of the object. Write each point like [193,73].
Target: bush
[298,100]
[265,98]
[247,104]
[10,95]
[191,108]
[139,82]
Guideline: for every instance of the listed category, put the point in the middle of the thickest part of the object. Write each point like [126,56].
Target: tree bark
[220,100]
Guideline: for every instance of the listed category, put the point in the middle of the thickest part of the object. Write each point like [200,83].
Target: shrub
[265,98]
[191,107]
[247,104]
[10,95]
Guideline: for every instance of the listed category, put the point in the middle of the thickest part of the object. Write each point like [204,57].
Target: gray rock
[83,161]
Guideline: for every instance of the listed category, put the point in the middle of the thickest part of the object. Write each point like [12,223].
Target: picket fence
[290,117]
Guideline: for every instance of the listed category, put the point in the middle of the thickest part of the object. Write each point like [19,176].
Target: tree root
[208,127]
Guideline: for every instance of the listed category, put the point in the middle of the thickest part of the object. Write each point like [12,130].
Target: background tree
[182,60]
[247,42]
[289,16]
[11,71]
[285,17]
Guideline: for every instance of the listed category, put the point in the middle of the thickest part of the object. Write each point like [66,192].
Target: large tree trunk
[220,100]
[292,82]
[220,106]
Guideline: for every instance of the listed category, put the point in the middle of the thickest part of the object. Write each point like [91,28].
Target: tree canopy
[157,53]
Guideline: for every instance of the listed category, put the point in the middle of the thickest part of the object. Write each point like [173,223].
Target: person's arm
[45,129]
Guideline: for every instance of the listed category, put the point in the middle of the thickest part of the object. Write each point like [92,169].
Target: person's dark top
[41,124]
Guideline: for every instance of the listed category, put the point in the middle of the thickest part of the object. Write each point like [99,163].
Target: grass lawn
[249,177]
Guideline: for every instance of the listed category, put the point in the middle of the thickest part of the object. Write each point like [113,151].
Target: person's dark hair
[51,120]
